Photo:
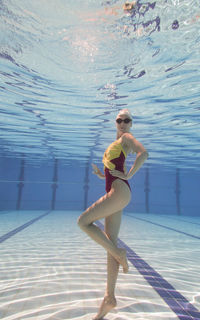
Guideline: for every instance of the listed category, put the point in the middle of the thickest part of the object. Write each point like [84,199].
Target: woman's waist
[110,179]
[119,168]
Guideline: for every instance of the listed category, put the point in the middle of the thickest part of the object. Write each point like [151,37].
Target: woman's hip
[121,188]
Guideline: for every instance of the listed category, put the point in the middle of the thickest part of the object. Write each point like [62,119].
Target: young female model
[110,206]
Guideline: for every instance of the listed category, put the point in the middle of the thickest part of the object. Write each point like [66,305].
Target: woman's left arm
[142,155]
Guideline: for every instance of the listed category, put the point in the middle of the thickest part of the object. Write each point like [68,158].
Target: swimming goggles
[119,120]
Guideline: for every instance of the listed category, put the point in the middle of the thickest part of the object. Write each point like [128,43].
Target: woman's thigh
[113,201]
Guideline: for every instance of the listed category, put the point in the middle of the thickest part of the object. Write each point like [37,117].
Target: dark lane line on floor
[24,226]
[175,300]
[5,212]
[181,220]
[163,226]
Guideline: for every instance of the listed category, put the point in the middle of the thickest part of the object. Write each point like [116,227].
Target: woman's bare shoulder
[127,137]
[132,143]
[127,142]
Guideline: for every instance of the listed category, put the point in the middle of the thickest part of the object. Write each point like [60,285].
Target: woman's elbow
[145,154]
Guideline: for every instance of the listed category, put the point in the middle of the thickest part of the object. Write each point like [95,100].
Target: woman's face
[123,126]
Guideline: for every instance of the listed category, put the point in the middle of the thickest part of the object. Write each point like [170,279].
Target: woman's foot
[123,260]
[107,304]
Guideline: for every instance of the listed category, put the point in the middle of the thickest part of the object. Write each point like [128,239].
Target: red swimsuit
[114,158]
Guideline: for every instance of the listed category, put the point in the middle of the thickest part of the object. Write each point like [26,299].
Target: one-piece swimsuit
[114,158]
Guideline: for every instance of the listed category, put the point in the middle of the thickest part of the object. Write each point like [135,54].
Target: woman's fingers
[118,174]
[95,168]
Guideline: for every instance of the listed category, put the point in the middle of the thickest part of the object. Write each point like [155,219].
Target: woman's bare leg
[112,202]
[112,226]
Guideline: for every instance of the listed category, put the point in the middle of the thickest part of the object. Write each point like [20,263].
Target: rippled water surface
[67,67]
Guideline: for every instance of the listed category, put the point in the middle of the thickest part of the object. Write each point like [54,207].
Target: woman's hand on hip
[118,174]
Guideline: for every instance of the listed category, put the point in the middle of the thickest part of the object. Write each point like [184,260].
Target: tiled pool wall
[55,185]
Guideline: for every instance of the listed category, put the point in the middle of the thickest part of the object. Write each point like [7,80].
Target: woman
[110,206]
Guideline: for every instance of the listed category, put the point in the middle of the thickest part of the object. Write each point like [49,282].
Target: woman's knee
[84,221]
[81,222]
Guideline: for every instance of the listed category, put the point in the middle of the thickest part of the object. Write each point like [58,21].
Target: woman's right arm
[97,171]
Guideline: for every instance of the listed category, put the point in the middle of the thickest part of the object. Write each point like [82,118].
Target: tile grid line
[175,300]
[162,226]
[5,212]
[182,220]
[22,227]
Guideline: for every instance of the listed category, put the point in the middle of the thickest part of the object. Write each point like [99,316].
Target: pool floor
[49,269]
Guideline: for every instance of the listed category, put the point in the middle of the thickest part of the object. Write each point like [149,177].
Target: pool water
[66,69]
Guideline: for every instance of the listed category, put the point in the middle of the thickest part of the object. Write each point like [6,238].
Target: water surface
[67,67]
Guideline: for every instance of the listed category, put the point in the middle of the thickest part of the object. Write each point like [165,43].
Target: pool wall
[56,185]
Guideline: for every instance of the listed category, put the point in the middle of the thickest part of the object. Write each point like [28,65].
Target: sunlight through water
[67,67]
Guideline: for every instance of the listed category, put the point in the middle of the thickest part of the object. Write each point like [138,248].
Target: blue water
[67,67]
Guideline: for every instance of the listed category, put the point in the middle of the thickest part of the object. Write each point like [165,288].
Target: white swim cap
[124,112]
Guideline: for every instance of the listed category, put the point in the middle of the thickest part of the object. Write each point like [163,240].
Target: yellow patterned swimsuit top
[113,152]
